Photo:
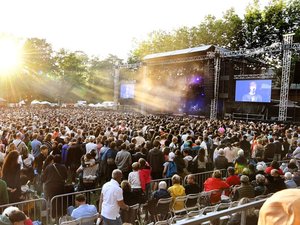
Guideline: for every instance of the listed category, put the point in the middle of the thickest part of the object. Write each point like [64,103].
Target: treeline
[69,76]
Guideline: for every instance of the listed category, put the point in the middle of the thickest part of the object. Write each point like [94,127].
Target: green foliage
[258,28]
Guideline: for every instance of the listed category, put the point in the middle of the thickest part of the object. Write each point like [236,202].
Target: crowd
[41,149]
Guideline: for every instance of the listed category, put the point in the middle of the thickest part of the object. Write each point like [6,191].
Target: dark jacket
[156,160]
[221,162]
[75,152]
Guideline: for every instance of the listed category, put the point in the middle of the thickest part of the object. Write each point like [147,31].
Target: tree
[70,72]
[37,56]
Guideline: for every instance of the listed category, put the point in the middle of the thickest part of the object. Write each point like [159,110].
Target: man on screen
[252,96]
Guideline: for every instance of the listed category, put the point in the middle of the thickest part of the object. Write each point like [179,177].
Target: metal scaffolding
[285,79]
[214,101]
[286,47]
[116,76]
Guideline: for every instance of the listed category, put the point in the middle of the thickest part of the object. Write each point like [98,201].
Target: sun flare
[10,56]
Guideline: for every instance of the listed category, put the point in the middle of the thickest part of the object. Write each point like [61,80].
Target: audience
[110,140]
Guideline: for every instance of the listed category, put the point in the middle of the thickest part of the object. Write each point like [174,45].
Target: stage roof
[202,48]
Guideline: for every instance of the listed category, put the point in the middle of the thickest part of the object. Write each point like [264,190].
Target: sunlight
[10,56]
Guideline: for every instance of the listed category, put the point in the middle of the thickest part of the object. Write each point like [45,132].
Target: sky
[102,27]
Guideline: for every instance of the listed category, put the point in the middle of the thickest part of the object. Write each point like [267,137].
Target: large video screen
[253,90]
[127,90]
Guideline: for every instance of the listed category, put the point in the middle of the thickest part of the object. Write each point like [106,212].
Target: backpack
[172,169]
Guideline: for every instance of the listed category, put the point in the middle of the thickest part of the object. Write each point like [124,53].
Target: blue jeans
[117,221]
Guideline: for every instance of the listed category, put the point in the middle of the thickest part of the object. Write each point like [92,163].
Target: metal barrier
[196,220]
[199,177]
[35,209]
[60,203]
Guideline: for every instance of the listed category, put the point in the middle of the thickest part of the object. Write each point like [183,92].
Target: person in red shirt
[274,165]
[145,176]
[232,179]
[215,183]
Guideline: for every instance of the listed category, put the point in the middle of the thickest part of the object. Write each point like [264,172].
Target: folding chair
[71,222]
[204,199]
[192,202]
[178,202]
[135,213]
[195,212]
[89,220]
[163,209]
[234,204]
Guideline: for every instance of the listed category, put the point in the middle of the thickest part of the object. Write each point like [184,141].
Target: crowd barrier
[196,220]
[199,178]
[35,209]
[60,203]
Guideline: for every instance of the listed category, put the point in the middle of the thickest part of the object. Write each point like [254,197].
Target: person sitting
[274,165]
[82,208]
[275,182]
[215,183]
[259,185]
[158,194]
[192,187]
[289,182]
[292,166]
[246,190]
[251,215]
[232,178]
[176,190]
[240,162]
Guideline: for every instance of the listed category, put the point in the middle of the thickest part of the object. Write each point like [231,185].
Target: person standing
[123,161]
[54,177]
[111,200]
[11,175]
[35,145]
[156,161]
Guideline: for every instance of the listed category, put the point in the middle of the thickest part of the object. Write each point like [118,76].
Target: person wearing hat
[246,190]
[281,208]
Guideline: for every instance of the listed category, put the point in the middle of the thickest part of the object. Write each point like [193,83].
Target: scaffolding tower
[285,79]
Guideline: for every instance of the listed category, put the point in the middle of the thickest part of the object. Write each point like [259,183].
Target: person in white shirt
[111,200]
[91,145]
[134,177]
[140,139]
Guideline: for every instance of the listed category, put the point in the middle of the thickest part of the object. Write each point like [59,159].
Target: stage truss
[286,47]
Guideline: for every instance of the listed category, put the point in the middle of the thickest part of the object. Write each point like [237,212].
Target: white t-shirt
[134,179]
[90,146]
[112,193]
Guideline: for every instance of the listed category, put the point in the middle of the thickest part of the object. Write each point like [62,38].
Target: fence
[196,220]
[199,178]
[60,203]
[35,209]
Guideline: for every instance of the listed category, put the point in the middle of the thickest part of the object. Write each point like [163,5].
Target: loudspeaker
[297,73]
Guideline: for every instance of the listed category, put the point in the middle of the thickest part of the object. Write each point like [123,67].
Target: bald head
[117,175]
